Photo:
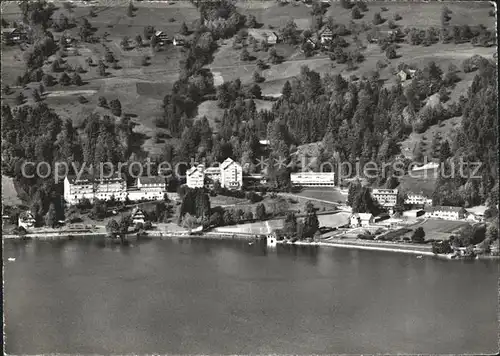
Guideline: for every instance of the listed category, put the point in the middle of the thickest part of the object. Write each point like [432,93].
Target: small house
[313,41]
[264,35]
[361,220]
[26,220]
[326,35]
[179,40]
[406,74]
[5,219]
[138,216]
[162,38]
[271,240]
[474,217]
[13,35]
[272,38]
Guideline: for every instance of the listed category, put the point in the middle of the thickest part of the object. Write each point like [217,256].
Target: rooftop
[384,191]
[363,216]
[444,208]
[212,170]
[89,178]
[152,180]
[8,30]
[26,215]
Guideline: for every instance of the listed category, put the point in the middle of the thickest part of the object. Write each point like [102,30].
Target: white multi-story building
[446,212]
[148,188]
[361,220]
[417,200]
[313,179]
[231,174]
[195,177]
[85,186]
[154,187]
[387,198]
[115,186]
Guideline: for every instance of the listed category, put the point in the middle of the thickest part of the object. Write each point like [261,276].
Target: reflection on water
[206,296]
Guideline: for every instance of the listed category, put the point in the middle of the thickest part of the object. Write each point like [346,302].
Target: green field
[439,229]
[142,88]
[262,227]
[328,194]
[9,192]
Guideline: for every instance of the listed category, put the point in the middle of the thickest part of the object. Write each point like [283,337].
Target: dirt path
[70,92]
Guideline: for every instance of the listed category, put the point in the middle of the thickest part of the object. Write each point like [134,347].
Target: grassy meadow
[141,88]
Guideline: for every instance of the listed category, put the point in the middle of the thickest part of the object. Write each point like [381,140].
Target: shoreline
[363,247]
[163,235]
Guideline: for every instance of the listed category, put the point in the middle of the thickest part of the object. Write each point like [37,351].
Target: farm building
[326,35]
[138,216]
[413,213]
[406,74]
[264,35]
[313,40]
[13,35]
[162,37]
[445,212]
[361,219]
[179,40]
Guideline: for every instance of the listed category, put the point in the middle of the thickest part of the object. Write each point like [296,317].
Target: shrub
[377,19]
[418,235]
[257,78]
[76,80]
[390,53]
[441,247]
[356,13]
[6,89]
[36,96]
[48,80]
[244,56]
[20,98]
[116,107]
[381,64]
[64,79]
[102,102]
[365,237]
[109,57]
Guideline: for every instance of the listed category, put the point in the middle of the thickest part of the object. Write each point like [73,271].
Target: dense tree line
[476,141]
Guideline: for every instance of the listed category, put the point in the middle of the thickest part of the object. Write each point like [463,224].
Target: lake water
[227,297]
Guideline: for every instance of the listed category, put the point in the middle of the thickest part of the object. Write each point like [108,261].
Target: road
[339,206]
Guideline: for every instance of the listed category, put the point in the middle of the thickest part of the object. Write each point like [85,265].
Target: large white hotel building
[313,179]
[77,188]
